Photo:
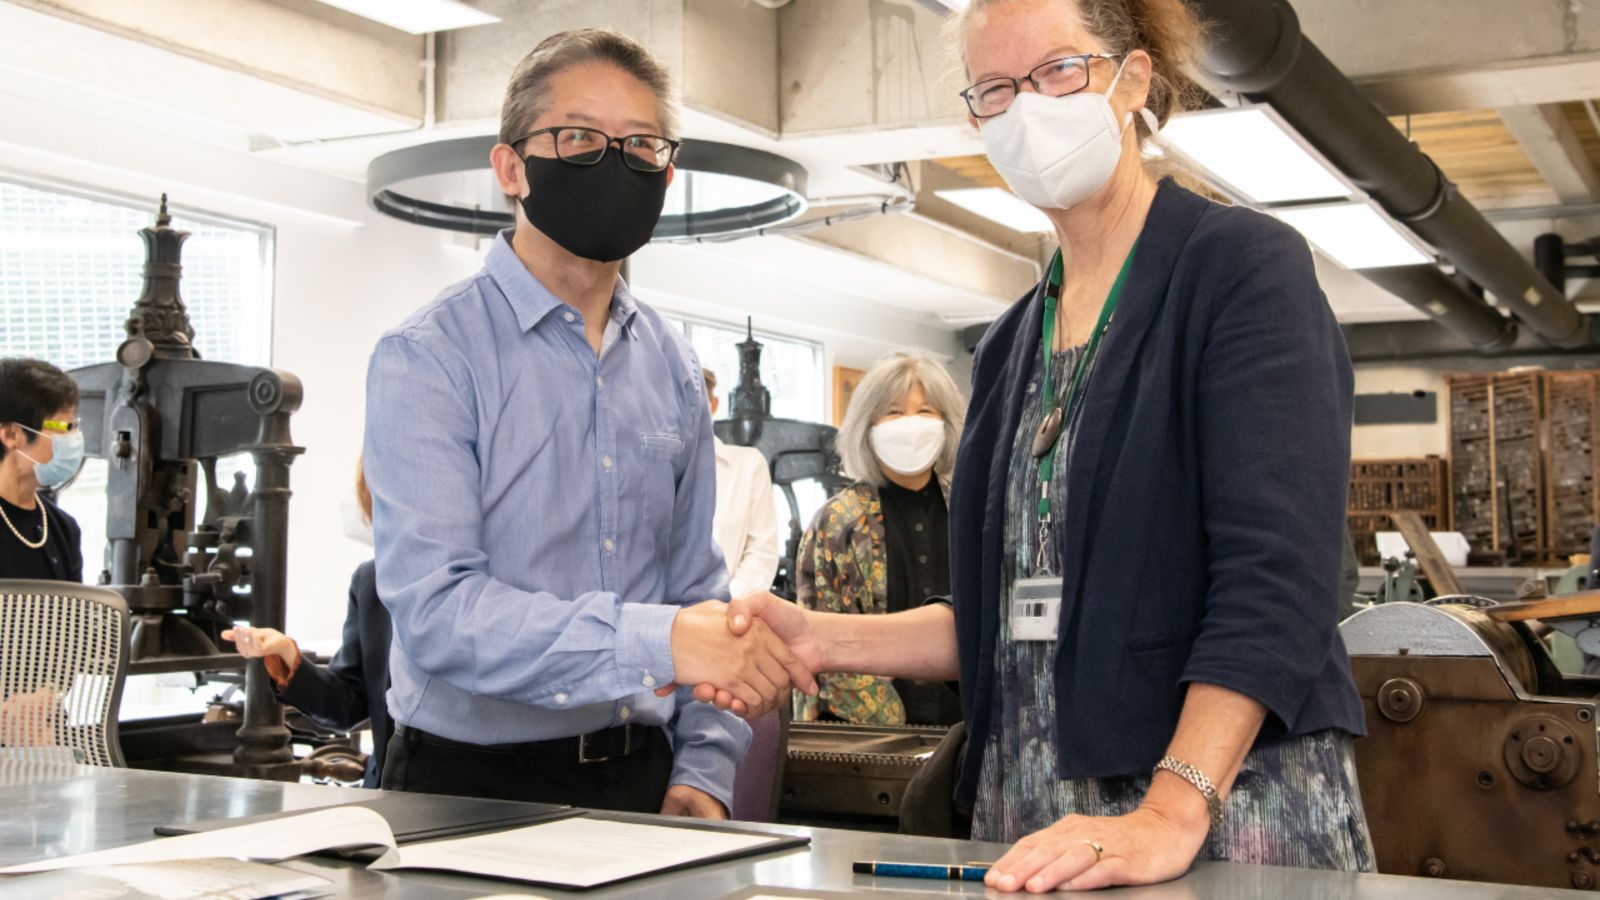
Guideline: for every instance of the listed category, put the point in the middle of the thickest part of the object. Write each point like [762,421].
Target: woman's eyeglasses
[1054,78]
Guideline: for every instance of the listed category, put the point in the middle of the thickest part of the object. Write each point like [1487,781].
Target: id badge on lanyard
[1035,613]
[1036,608]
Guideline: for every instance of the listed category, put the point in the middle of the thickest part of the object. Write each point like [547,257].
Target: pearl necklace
[44,533]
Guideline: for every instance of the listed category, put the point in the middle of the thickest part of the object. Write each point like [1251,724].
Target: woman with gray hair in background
[881,545]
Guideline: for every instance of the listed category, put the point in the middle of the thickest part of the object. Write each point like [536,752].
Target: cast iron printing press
[161,417]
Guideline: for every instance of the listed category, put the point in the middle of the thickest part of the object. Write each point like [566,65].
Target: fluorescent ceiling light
[1251,149]
[1356,235]
[1000,206]
[417,16]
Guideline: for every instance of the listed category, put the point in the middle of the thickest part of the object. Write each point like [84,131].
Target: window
[71,267]
[791,369]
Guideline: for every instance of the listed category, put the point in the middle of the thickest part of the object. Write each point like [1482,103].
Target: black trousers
[539,772]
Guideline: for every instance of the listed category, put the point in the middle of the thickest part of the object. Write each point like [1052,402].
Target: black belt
[595,747]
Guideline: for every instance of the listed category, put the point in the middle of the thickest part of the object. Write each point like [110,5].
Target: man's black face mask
[602,212]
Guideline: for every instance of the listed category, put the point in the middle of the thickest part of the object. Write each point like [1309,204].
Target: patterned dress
[1295,803]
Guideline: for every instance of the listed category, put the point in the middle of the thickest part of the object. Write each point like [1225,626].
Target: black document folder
[413,817]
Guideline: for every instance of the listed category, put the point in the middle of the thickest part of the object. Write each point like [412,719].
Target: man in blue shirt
[539,452]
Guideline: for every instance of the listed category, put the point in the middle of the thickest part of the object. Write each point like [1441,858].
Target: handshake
[745,655]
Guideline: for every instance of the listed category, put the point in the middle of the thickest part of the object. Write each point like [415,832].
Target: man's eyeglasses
[585,146]
[1055,78]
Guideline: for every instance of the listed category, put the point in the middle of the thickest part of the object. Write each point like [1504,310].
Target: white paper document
[580,852]
[192,879]
[291,836]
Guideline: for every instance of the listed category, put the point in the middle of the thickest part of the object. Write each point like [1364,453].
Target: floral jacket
[843,568]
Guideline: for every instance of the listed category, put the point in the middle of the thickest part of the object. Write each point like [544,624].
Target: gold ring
[1099,851]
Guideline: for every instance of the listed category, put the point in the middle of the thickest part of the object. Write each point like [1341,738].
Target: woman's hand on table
[1156,842]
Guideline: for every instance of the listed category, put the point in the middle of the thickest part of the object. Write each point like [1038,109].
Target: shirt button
[599,381]
[569,317]
[649,680]
[919,526]
[561,698]
[927,592]
[605,461]
[922,558]
[609,545]
[626,712]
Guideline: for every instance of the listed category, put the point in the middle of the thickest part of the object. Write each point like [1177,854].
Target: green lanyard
[1055,418]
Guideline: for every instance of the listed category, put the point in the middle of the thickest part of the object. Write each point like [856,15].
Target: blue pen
[967,872]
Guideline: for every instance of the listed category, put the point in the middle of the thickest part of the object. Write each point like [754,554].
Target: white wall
[343,274]
[726,282]
[1394,441]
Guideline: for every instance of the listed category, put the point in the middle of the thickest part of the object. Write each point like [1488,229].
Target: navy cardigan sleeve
[335,695]
[1274,380]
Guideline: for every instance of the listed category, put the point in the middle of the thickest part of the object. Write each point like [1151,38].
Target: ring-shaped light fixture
[720,190]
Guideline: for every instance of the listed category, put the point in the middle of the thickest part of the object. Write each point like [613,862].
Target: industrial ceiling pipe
[1256,48]
[1447,302]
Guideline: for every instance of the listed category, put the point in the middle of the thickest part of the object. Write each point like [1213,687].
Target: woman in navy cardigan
[1163,678]
[350,689]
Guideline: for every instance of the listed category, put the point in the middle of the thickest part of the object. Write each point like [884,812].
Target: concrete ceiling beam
[936,251]
[1425,56]
[475,63]
[850,66]
[300,44]
[1555,150]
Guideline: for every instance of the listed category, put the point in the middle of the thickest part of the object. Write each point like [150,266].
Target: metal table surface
[51,810]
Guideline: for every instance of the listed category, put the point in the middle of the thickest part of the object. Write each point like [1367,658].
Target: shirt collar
[532,301]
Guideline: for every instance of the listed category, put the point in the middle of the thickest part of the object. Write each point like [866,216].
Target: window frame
[268,233]
[727,383]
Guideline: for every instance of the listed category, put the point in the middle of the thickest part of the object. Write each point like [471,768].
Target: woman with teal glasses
[40,447]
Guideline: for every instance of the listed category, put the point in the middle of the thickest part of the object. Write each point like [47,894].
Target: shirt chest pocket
[650,487]
[665,445]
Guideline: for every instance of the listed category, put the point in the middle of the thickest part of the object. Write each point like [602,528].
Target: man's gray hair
[528,94]
[882,387]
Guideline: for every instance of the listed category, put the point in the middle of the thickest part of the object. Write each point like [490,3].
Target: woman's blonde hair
[882,387]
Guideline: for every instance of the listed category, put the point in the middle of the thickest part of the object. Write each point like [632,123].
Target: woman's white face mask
[1056,152]
[908,445]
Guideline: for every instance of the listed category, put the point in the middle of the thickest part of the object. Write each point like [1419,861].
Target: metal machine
[161,417]
[844,773]
[1480,758]
[796,451]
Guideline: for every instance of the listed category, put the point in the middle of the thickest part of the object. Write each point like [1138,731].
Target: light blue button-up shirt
[540,515]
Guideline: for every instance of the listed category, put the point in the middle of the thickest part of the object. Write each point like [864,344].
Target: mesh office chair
[63,659]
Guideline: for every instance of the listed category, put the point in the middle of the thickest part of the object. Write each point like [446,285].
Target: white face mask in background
[356,526]
[908,445]
[1056,152]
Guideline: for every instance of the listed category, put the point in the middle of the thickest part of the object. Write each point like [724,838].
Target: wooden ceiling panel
[1477,152]
[1584,126]
[974,168]
[1474,148]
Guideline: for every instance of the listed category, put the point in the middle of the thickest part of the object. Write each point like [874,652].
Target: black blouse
[917,554]
[61,557]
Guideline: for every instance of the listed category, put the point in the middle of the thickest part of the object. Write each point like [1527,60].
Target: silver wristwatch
[1201,783]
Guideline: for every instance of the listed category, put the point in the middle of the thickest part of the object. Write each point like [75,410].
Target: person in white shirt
[745,526]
